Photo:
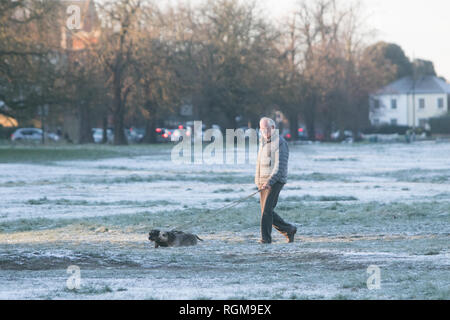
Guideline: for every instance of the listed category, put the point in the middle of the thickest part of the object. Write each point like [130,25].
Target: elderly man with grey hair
[270,177]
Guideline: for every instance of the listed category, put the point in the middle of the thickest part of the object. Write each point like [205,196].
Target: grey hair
[270,122]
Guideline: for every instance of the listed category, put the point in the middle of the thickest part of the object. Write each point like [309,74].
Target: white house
[410,102]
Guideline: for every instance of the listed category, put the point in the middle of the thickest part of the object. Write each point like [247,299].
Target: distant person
[67,138]
[270,177]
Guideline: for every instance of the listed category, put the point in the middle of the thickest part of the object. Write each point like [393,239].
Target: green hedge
[440,125]
[393,129]
[387,129]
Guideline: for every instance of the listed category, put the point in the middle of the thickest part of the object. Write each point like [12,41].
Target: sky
[420,27]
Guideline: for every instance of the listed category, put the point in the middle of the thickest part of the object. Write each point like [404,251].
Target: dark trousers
[269,217]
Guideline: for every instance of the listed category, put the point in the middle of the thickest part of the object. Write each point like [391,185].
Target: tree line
[226,58]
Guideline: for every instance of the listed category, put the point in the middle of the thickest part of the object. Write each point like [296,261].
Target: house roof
[422,85]
[8,122]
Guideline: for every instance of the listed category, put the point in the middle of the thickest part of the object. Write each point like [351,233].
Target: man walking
[271,176]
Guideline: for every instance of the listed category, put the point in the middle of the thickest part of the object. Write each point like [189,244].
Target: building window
[421,103]
[393,103]
[441,103]
[394,122]
[376,104]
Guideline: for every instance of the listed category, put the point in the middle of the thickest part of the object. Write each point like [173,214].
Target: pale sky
[420,27]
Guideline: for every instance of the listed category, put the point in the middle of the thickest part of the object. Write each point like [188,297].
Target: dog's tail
[198,238]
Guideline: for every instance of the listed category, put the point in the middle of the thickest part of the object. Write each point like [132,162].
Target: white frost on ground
[327,261]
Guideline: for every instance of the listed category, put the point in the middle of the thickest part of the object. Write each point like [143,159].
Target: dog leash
[235,203]
[228,206]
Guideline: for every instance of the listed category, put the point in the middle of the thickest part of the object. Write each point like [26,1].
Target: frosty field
[355,205]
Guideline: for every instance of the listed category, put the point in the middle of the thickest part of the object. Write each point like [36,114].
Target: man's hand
[266,186]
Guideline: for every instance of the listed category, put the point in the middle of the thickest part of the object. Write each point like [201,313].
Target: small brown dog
[172,238]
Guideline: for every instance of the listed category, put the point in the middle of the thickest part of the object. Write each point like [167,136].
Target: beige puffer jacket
[272,162]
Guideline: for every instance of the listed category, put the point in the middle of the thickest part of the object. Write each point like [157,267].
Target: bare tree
[160,62]
[117,52]
[231,44]
[320,62]
[28,57]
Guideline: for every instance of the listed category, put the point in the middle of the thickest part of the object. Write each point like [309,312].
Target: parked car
[176,133]
[136,135]
[27,134]
[286,134]
[196,135]
[97,134]
[53,136]
[345,135]
[302,133]
[163,135]
[32,135]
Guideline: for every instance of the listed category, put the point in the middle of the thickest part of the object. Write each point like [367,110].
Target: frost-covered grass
[355,206]
[22,153]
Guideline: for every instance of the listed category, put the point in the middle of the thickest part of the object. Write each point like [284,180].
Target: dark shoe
[263,242]
[290,235]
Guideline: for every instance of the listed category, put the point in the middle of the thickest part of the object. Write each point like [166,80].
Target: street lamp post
[414,102]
